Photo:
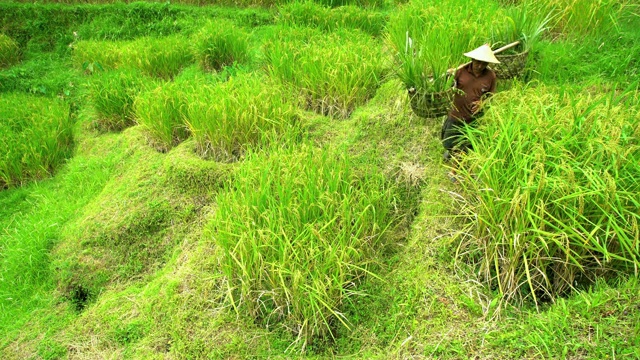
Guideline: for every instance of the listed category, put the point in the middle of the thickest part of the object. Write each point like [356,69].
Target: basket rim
[423,92]
[512,55]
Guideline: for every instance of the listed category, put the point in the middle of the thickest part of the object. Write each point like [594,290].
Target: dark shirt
[474,88]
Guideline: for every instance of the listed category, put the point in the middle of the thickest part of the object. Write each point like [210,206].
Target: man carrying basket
[474,83]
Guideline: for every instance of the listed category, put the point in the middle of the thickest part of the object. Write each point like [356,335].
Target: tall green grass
[159,57]
[220,43]
[552,191]
[35,137]
[8,51]
[309,13]
[299,231]
[334,73]
[112,94]
[224,117]
[161,111]
[577,18]
[48,26]
[247,110]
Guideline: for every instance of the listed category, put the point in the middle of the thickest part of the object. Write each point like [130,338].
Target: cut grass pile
[125,232]
[552,191]
[300,230]
[333,73]
[35,137]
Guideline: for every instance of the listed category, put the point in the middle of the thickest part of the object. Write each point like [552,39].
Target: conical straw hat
[483,53]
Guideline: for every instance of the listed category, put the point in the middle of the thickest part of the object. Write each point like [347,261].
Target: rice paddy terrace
[257,179]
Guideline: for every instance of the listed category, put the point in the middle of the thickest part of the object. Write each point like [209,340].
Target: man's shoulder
[490,73]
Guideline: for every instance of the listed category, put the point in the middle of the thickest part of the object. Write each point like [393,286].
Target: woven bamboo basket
[430,105]
[510,66]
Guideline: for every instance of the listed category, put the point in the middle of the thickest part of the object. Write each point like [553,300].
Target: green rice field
[212,179]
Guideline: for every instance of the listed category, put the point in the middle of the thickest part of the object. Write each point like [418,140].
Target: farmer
[474,83]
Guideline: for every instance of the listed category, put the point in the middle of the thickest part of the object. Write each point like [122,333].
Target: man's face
[478,65]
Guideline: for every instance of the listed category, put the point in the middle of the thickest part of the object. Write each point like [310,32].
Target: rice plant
[112,94]
[35,137]
[161,111]
[360,3]
[577,18]
[309,13]
[219,44]
[334,73]
[247,110]
[160,57]
[8,51]
[299,231]
[552,191]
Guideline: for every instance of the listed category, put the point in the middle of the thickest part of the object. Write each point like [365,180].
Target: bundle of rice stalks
[161,111]
[525,24]
[427,38]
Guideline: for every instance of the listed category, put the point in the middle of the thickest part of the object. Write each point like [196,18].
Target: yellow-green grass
[161,111]
[333,73]
[160,57]
[234,3]
[220,43]
[309,13]
[8,51]
[300,230]
[552,191]
[248,110]
[238,3]
[576,18]
[128,230]
[35,137]
[224,118]
[112,94]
